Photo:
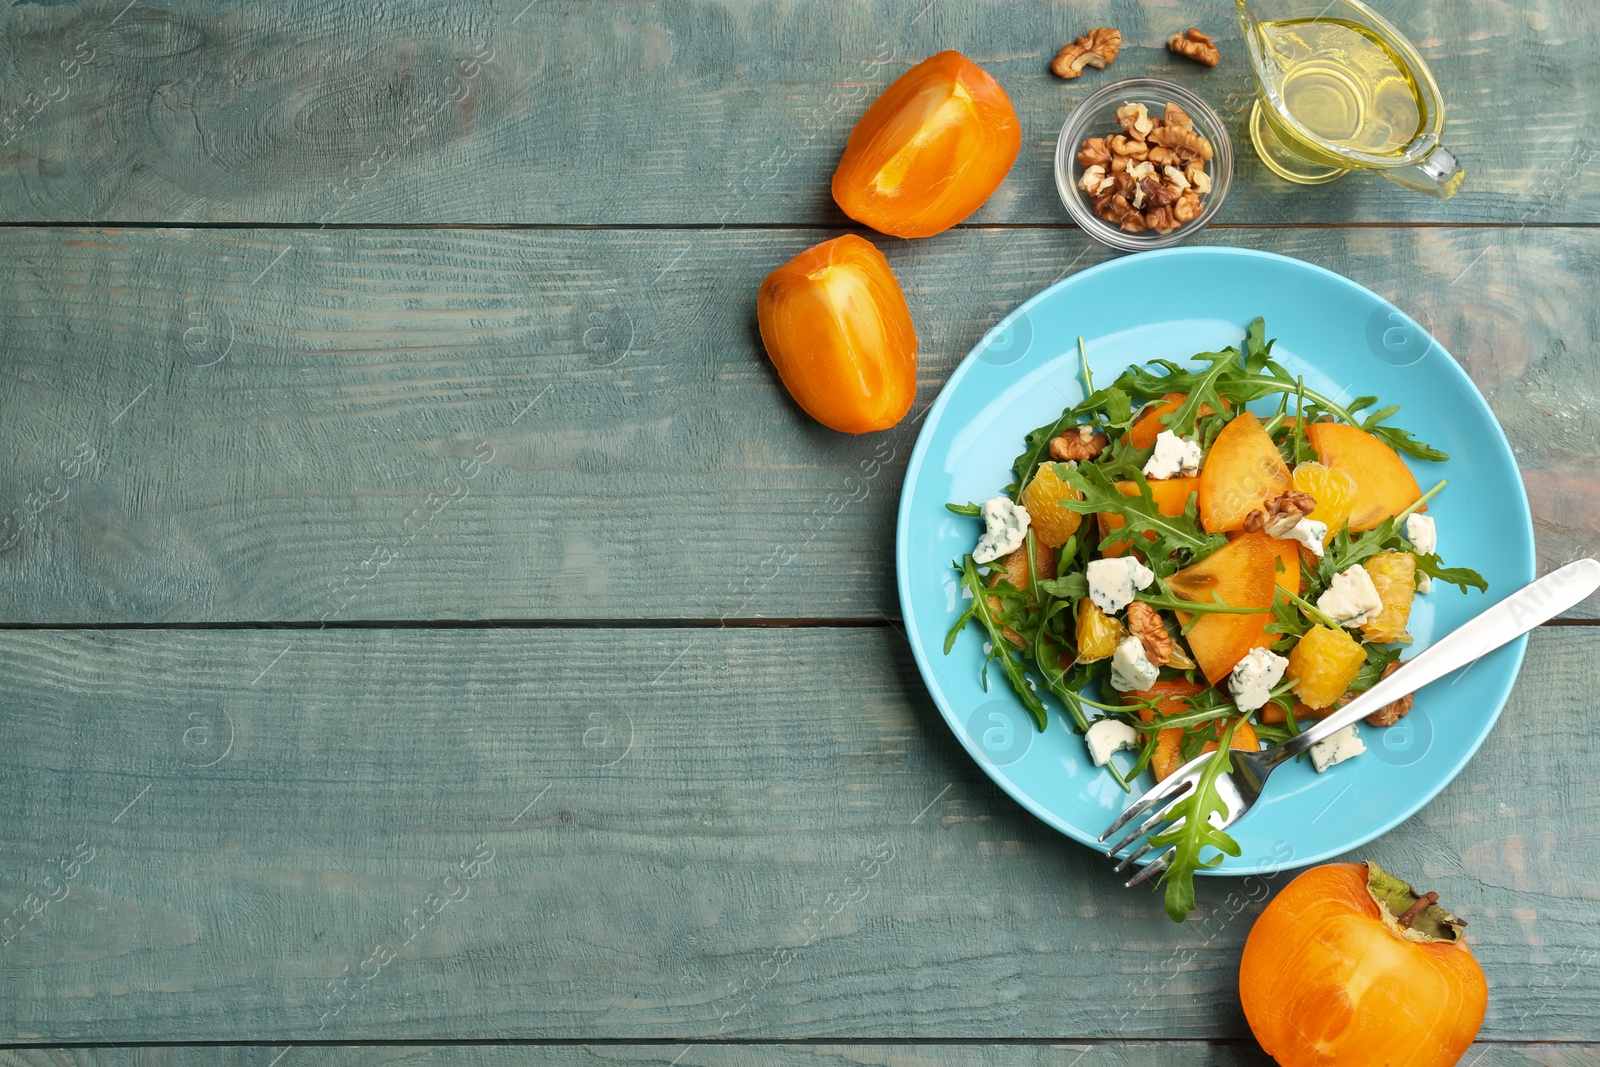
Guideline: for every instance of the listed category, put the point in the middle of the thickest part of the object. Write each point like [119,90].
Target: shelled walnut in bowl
[1151,175]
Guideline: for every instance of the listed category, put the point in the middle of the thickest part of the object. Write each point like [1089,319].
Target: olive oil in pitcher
[1341,90]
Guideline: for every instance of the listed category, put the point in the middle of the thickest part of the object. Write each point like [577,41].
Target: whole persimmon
[1350,967]
[930,150]
[836,326]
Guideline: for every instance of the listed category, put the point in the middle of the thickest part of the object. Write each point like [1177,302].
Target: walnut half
[1144,622]
[1197,46]
[1096,50]
[1281,513]
[1393,712]
[1078,445]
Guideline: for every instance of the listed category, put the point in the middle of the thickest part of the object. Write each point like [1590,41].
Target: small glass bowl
[1096,116]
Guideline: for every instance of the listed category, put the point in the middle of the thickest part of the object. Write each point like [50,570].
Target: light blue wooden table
[428,630]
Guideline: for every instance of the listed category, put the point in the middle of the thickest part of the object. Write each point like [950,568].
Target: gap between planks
[711,227]
[880,622]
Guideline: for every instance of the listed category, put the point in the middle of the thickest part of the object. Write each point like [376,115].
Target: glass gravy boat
[1341,89]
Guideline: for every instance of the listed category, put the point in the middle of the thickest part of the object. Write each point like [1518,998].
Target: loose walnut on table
[1097,49]
[1195,45]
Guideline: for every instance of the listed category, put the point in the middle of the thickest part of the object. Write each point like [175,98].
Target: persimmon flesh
[1242,471]
[1385,486]
[1170,495]
[1336,973]
[930,150]
[836,326]
[1241,574]
[1148,426]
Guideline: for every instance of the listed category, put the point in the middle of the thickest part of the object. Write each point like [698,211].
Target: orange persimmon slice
[1385,486]
[1241,472]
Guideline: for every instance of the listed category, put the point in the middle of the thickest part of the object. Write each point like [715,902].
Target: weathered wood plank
[1118,1054]
[651,834]
[274,414]
[613,111]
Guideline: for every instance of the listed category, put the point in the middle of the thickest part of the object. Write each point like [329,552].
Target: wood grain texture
[278,419]
[1119,1054]
[687,111]
[639,834]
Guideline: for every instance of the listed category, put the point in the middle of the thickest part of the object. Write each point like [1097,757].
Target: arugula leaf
[1195,608]
[999,647]
[1349,549]
[1181,420]
[1100,494]
[968,508]
[1400,440]
[1072,587]
[1378,660]
[1193,833]
[1257,350]
[1460,577]
[1036,448]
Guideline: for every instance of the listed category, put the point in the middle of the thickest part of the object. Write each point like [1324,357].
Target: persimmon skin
[930,150]
[836,326]
[1415,1004]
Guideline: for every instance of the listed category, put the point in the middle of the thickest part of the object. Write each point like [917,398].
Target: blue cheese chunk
[1131,669]
[1106,736]
[1351,599]
[1112,582]
[1337,748]
[1254,676]
[1424,537]
[1005,526]
[1173,456]
[1423,534]
[1309,532]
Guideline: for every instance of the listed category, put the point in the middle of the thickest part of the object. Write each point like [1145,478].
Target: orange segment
[1334,492]
[1052,523]
[1395,575]
[1241,472]
[1099,634]
[1385,486]
[1171,496]
[1242,573]
[1323,663]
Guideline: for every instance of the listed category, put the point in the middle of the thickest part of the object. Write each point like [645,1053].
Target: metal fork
[1241,787]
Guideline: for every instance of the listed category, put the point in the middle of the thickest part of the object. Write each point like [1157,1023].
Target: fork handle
[1511,618]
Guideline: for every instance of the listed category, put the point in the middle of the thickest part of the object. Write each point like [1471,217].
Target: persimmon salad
[1179,572]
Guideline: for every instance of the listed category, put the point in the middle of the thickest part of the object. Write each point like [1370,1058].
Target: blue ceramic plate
[1348,342]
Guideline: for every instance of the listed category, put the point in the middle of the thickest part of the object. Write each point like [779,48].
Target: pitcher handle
[1437,174]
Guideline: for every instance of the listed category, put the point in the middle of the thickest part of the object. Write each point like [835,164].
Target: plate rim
[1229,867]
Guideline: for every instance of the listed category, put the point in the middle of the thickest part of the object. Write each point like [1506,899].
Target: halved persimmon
[1242,471]
[1242,574]
[1171,496]
[1385,486]
[836,325]
[930,150]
